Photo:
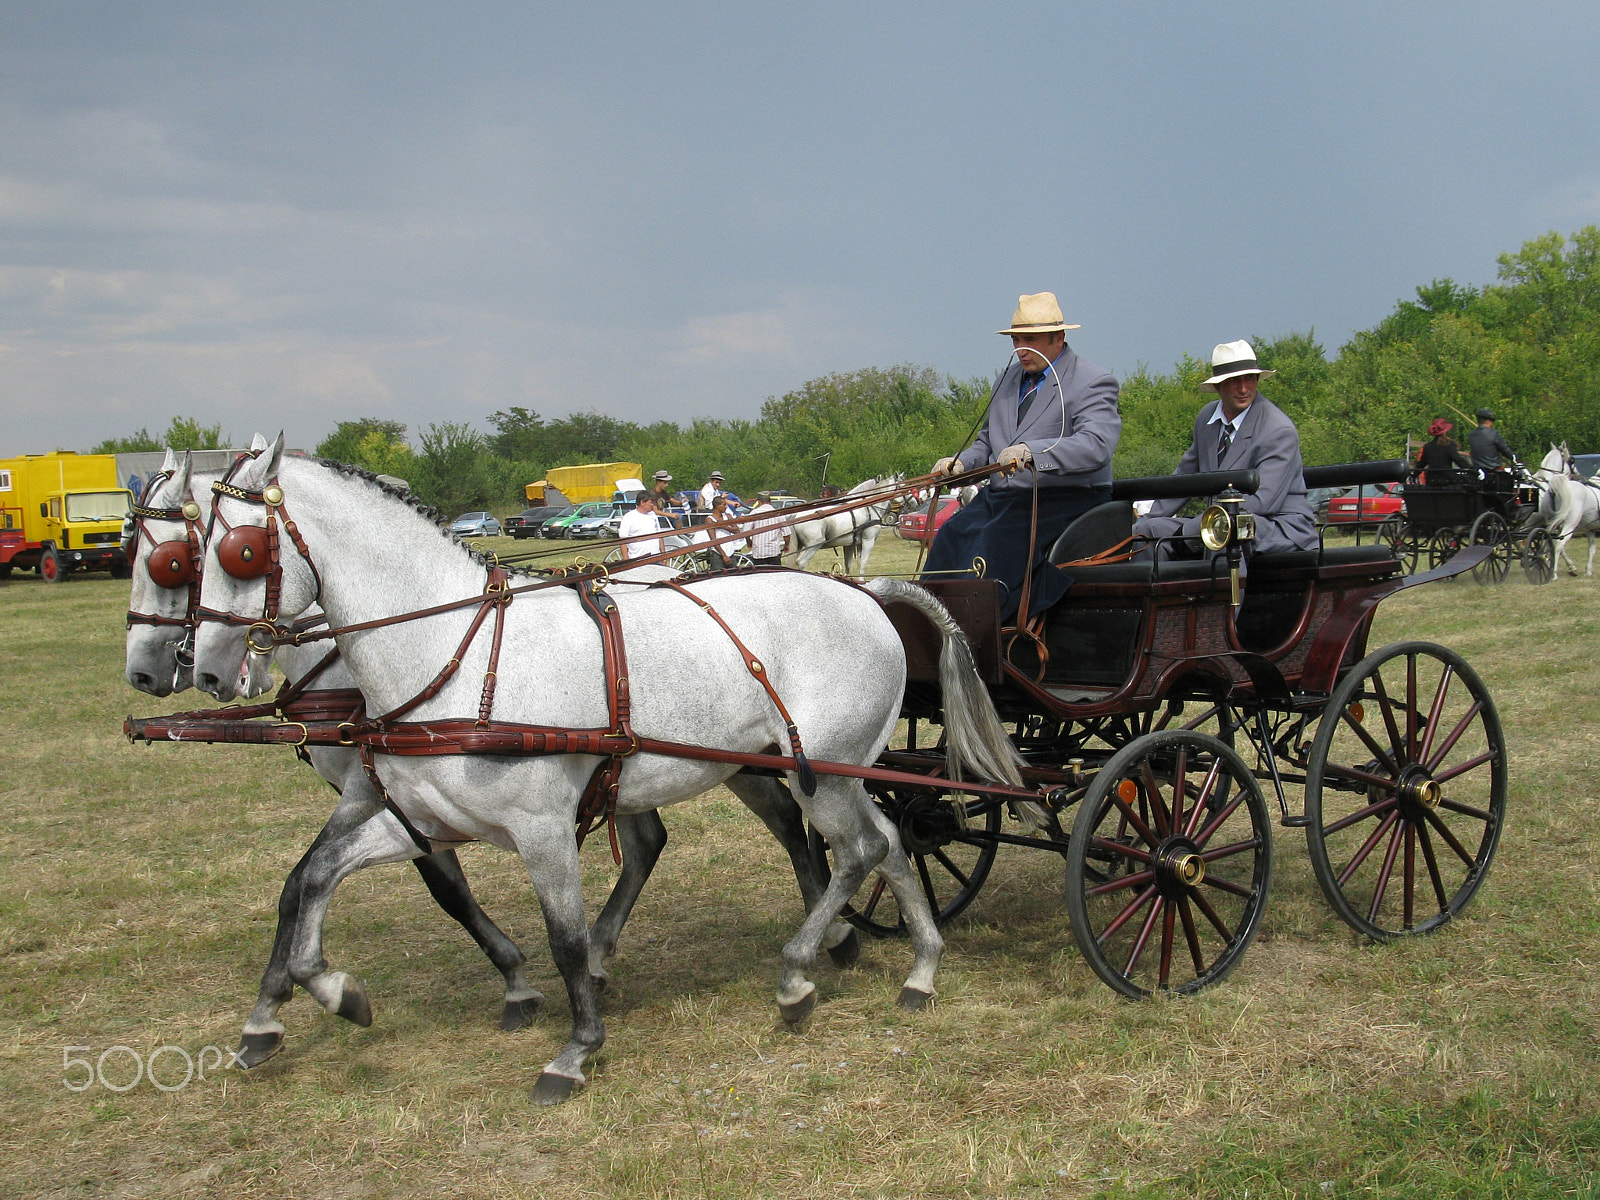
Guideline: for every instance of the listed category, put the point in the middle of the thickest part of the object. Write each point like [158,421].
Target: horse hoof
[518,1014]
[913,999]
[796,1013]
[846,952]
[353,1005]
[551,1088]
[256,1048]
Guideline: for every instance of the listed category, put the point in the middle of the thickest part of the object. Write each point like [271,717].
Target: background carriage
[1151,710]
[1457,509]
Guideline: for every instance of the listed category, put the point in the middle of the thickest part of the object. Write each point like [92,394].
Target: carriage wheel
[1392,534]
[1405,790]
[1490,529]
[1539,557]
[1169,865]
[948,850]
[1443,546]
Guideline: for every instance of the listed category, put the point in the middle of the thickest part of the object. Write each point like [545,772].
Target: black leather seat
[1329,556]
[1101,528]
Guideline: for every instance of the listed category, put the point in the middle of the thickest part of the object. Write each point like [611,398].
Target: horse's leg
[641,837]
[838,810]
[926,942]
[851,552]
[262,1036]
[771,800]
[380,839]
[807,553]
[551,856]
[441,871]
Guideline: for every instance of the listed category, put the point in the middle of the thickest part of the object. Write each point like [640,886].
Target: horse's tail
[975,741]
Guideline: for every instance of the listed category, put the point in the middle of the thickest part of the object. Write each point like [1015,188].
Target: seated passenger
[1053,420]
[1440,457]
[1243,430]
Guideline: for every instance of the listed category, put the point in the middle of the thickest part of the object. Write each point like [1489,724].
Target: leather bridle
[172,564]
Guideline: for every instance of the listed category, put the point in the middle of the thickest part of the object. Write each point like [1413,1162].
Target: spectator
[769,540]
[712,488]
[641,520]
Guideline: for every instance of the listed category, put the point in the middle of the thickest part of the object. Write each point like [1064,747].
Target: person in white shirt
[709,492]
[641,520]
[768,539]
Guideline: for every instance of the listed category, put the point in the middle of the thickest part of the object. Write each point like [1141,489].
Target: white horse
[1576,505]
[157,663]
[826,648]
[856,531]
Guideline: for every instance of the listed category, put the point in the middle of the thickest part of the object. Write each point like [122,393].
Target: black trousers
[994,527]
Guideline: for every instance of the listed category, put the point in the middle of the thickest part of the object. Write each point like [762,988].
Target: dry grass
[138,900]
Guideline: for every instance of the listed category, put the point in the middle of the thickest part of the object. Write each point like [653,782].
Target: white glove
[1016,456]
[947,466]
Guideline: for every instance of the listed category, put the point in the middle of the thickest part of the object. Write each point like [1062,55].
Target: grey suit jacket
[1071,427]
[1269,443]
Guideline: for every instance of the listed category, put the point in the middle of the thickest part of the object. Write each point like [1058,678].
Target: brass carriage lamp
[1226,526]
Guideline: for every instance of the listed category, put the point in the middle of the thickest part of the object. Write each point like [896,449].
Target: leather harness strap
[808,777]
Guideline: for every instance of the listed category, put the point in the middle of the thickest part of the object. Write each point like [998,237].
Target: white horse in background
[855,531]
[1576,505]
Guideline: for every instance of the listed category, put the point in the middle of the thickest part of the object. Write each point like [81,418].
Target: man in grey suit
[1052,421]
[1243,430]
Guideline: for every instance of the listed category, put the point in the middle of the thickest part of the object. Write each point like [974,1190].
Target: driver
[1053,421]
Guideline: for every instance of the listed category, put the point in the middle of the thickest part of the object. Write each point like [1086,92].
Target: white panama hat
[1038,313]
[1233,358]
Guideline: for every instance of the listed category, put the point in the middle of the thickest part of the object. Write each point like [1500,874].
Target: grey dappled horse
[156,663]
[827,647]
[855,531]
[1576,502]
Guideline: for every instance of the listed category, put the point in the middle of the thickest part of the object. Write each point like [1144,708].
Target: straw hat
[1229,359]
[663,476]
[1038,313]
[715,475]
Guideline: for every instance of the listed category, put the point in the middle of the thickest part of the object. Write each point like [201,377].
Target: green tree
[186,433]
[346,442]
[137,442]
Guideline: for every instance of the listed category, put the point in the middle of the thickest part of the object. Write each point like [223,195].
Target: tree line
[1526,346]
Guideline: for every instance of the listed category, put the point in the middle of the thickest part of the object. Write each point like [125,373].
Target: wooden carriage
[1152,710]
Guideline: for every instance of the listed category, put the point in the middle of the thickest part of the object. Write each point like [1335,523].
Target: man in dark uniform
[1053,422]
[1487,446]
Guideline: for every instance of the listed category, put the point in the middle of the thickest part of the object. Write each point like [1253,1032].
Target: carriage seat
[1329,556]
[1103,527]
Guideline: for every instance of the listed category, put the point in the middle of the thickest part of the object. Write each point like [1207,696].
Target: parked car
[1378,502]
[526,523]
[556,526]
[597,524]
[913,524]
[475,524]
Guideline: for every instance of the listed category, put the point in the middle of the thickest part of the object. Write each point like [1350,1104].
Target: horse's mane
[412,501]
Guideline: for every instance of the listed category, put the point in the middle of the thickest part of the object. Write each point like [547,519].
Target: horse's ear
[180,477]
[258,443]
[255,472]
[170,462]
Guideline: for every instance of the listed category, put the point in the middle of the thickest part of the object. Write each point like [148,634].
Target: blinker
[242,553]
[171,565]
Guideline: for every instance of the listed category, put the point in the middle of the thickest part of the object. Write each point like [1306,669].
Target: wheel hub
[929,823]
[1419,789]
[1179,867]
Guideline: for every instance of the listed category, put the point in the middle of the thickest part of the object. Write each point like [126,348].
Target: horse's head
[254,577]
[163,540]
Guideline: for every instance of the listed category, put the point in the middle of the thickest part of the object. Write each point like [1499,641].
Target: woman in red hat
[1441,457]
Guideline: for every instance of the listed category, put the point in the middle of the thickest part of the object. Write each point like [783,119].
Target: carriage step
[1299,822]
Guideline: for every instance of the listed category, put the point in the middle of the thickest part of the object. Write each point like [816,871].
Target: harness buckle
[305,734]
[346,739]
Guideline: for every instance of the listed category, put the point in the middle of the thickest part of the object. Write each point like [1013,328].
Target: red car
[914,524]
[1379,502]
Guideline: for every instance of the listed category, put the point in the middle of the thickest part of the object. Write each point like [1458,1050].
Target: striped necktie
[1224,440]
[1029,391]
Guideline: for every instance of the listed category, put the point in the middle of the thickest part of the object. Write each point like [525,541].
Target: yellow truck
[60,513]
[580,485]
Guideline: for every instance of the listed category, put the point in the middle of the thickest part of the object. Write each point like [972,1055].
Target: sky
[282,216]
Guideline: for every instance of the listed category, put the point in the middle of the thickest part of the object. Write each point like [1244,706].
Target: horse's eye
[243,554]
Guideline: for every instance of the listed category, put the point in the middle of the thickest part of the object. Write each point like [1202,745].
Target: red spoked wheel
[1169,864]
[1405,790]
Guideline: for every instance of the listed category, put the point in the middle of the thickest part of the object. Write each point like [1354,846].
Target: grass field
[139,895]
